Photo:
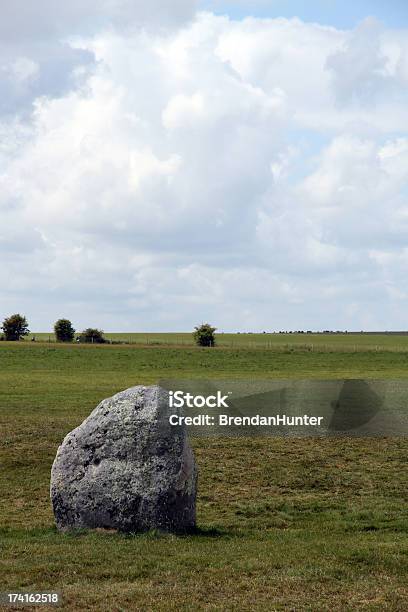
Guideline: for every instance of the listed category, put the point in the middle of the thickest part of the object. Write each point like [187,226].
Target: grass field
[310,342]
[284,524]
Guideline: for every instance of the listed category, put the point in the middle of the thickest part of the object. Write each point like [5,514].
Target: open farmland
[283,524]
[320,342]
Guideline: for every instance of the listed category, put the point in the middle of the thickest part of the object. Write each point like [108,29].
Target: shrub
[93,336]
[15,327]
[204,335]
[64,332]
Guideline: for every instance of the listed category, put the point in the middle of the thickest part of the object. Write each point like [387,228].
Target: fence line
[225,342]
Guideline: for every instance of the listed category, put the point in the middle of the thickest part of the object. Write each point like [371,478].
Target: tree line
[15,328]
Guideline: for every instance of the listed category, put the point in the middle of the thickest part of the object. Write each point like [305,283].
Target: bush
[93,336]
[64,332]
[204,335]
[15,327]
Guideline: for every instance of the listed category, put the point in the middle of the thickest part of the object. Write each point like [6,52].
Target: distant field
[284,524]
[310,342]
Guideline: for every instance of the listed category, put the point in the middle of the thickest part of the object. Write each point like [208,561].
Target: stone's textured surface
[125,467]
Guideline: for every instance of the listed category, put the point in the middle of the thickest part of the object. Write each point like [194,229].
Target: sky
[242,163]
[342,14]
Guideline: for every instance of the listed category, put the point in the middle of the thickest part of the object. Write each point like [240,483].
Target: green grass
[309,342]
[285,524]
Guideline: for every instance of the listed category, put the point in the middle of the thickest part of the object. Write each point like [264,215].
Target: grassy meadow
[283,524]
[346,342]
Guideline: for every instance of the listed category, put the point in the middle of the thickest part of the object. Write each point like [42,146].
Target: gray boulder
[126,468]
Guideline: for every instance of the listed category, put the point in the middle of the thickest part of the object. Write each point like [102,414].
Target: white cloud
[359,68]
[207,171]
[184,111]
[42,32]
[45,19]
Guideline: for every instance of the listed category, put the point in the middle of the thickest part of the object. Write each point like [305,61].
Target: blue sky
[339,13]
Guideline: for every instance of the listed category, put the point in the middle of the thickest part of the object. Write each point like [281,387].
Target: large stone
[125,467]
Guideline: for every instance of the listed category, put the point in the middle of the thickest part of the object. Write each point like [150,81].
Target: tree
[94,336]
[204,335]
[64,332]
[15,327]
